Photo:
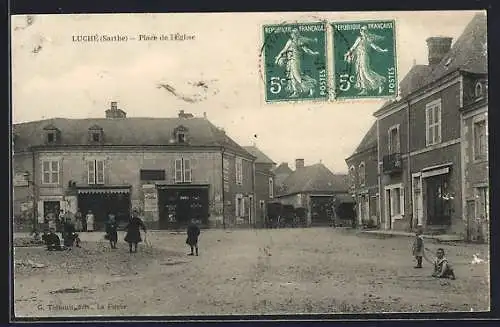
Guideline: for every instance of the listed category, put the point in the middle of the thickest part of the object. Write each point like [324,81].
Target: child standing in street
[418,248]
[193,232]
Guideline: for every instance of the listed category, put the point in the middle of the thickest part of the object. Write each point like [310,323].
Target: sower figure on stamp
[193,232]
[289,56]
[133,228]
[366,78]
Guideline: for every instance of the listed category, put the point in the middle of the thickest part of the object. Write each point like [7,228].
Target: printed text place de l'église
[139,37]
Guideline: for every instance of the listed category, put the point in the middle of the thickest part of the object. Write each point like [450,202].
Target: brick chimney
[183,114]
[299,164]
[114,112]
[438,47]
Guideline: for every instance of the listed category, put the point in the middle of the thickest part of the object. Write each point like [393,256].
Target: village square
[120,215]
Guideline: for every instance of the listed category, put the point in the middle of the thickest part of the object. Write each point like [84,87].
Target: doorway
[437,205]
[179,204]
[102,204]
[53,207]
[418,211]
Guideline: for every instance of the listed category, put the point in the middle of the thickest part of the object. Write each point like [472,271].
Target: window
[394,140]
[362,174]
[239,171]
[183,172]
[482,196]
[180,133]
[433,122]
[480,141]
[96,137]
[95,171]
[50,172]
[395,201]
[51,137]
[271,187]
[240,205]
[152,175]
[478,90]
[181,137]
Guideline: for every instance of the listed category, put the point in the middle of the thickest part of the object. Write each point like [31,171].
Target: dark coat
[193,232]
[133,230]
[111,230]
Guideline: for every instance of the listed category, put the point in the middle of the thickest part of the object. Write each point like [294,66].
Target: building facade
[363,179]
[169,169]
[322,197]
[475,158]
[424,167]
[264,183]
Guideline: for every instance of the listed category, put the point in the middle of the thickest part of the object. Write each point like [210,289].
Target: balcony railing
[392,163]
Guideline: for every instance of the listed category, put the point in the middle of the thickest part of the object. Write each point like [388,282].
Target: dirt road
[315,270]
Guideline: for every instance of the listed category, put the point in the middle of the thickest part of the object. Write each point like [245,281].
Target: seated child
[442,268]
[52,241]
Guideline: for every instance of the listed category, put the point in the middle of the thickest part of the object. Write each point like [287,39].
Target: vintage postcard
[185,165]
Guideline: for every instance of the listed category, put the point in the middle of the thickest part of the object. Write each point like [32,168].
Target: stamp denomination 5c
[295,62]
[365,63]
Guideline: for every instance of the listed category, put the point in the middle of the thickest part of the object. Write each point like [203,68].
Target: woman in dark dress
[133,236]
[193,231]
[69,234]
[111,230]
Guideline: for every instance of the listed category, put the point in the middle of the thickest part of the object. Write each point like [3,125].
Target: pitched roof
[369,140]
[468,53]
[261,156]
[283,168]
[414,79]
[314,178]
[126,131]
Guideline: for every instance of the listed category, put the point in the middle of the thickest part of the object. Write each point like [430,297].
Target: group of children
[442,268]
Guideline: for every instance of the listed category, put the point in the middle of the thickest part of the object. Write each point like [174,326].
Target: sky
[54,76]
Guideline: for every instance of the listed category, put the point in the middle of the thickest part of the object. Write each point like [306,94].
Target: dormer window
[181,134]
[478,90]
[95,134]
[181,137]
[52,134]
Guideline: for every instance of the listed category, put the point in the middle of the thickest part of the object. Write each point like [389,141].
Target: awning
[344,198]
[436,170]
[104,191]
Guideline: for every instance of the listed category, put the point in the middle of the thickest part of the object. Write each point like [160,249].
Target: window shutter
[391,201]
[178,170]
[187,170]
[237,206]
[402,200]
[100,172]
[243,207]
[91,172]
[389,144]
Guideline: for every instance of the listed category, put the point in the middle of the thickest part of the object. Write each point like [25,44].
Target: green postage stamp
[295,62]
[364,59]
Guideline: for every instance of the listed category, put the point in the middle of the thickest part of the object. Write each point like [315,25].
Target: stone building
[363,178]
[423,168]
[170,169]
[264,183]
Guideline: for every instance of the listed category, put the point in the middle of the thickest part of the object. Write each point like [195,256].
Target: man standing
[193,231]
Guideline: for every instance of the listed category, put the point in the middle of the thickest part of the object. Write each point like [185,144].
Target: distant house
[264,183]
[363,177]
[321,194]
[170,169]
[428,175]
[280,174]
